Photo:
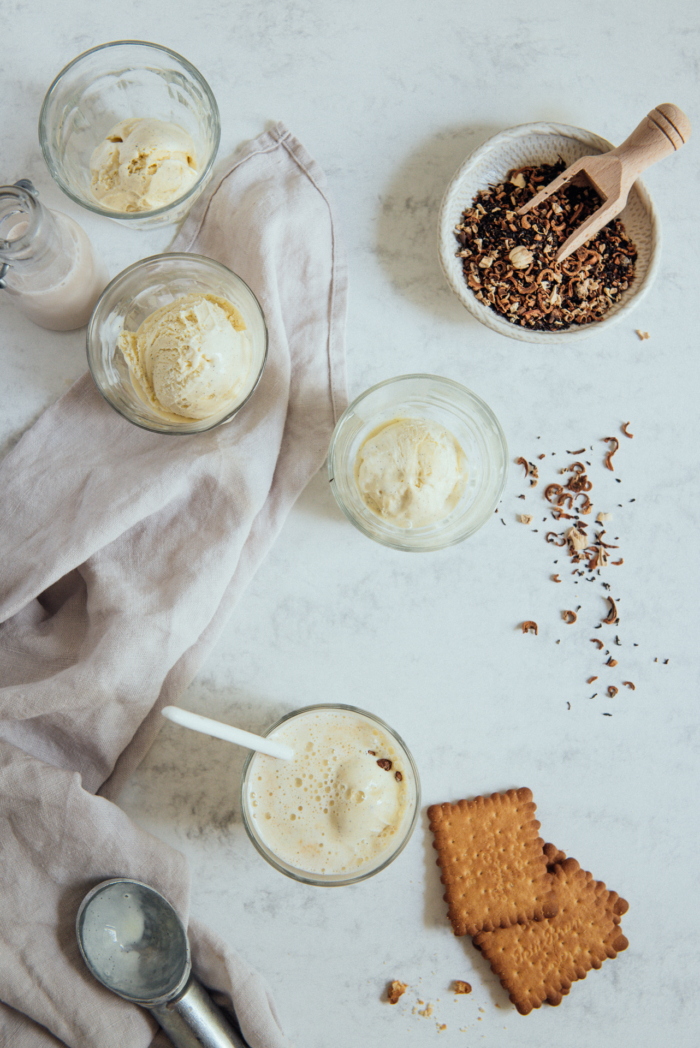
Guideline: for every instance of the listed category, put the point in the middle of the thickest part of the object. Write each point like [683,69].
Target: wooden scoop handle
[663,131]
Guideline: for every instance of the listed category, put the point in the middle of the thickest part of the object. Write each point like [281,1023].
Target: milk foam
[332,809]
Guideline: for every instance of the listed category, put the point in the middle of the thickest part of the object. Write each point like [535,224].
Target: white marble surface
[389,98]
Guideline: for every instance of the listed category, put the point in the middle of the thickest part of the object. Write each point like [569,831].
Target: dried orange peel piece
[615,443]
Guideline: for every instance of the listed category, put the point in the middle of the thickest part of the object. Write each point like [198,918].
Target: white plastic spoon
[207,726]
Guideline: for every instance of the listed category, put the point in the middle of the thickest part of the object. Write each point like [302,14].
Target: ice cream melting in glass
[143,164]
[190,359]
[411,472]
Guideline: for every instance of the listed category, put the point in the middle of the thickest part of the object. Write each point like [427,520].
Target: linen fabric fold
[124,553]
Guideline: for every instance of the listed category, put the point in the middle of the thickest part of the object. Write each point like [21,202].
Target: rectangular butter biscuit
[493,865]
[540,961]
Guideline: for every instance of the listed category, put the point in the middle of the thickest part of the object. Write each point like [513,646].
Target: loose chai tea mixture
[508,259]
[588,548]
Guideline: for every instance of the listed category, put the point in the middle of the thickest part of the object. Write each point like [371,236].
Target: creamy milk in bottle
[47,264]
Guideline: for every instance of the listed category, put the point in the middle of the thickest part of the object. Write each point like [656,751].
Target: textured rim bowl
[460,411]
[137,292]
[542,143]
[335,880]
[113,82]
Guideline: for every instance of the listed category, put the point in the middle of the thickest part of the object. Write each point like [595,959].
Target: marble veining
[390,99]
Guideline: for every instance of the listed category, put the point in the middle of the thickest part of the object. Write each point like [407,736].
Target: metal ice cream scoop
[134,943]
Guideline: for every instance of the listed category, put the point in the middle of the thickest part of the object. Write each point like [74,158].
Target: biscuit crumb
[461,987]
[525,518]
[641,334]
[396,990]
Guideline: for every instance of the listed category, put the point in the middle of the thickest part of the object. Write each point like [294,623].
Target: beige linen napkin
[123,554]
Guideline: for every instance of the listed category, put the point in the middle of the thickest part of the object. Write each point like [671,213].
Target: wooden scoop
[612,174]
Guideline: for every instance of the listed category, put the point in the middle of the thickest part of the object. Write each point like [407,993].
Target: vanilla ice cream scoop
[143,164]
[190,359]
[367,798]
[411,472]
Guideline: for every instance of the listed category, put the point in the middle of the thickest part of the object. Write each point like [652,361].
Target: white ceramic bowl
[542,143]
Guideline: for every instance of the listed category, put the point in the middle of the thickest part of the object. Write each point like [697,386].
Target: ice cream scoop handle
[207,726]
[194,1021]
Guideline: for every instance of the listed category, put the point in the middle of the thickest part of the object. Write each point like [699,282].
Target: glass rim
[127,216]
[90,340]
[413,376]
[306,876]
[432,543]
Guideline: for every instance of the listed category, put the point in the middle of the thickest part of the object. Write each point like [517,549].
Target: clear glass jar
[47,264]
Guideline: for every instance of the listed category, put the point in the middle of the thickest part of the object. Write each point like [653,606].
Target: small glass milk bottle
[47,264]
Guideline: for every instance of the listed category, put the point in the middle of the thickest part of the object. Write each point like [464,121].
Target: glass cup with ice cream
[130,130]
[177,343]
[343,808]
[418,462]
